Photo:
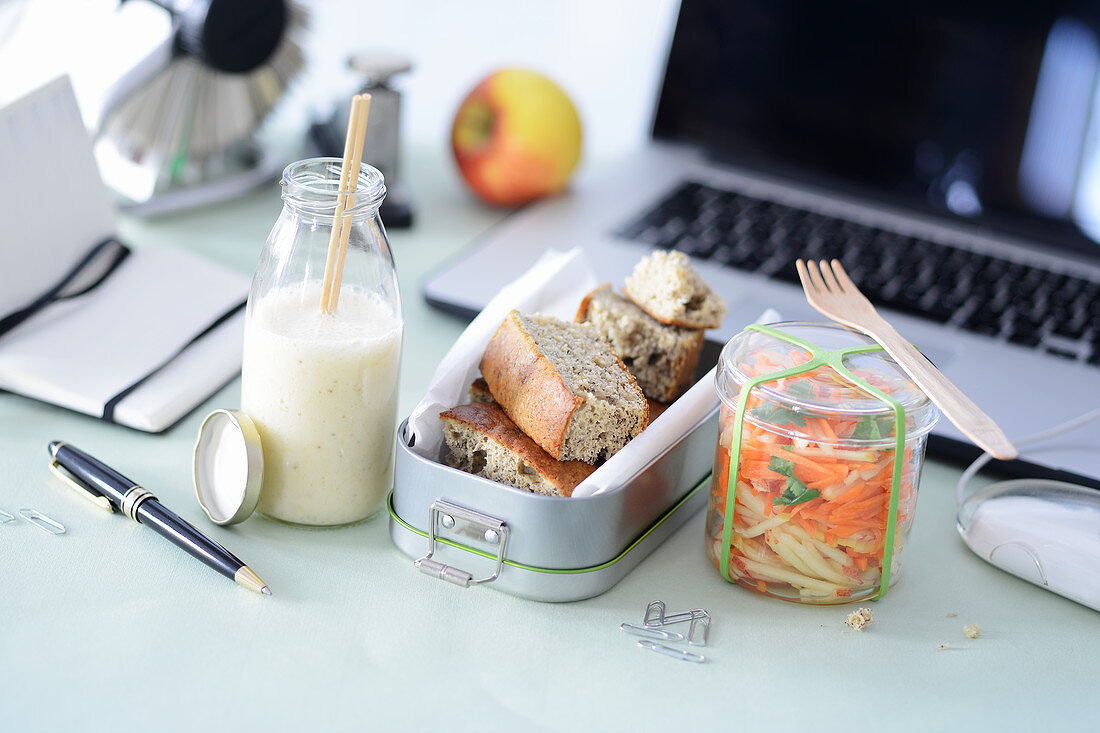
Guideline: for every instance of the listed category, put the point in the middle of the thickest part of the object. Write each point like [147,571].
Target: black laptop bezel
[1045,233]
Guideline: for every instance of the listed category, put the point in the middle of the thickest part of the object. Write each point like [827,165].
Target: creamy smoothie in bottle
[322,389]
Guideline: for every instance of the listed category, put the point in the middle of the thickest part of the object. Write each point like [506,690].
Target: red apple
[516,137]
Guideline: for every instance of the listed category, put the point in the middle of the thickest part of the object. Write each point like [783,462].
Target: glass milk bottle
[320,386]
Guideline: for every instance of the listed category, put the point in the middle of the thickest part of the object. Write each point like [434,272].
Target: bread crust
[672,321]
[582,312]
[656,409]
[685,370]
[479,391]
[527,386]
[488,419]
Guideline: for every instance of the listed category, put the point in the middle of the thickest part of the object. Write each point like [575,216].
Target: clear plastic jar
[322,387]
[818,474]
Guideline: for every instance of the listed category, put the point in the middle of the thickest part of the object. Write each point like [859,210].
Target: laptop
[948,155]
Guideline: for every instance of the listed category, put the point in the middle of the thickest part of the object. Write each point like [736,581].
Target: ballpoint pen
[111,491]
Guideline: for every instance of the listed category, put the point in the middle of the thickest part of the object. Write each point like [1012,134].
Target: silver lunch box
[468,530]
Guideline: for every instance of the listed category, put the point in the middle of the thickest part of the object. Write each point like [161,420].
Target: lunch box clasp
[445,517]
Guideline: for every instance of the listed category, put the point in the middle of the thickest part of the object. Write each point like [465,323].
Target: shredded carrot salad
[812,492]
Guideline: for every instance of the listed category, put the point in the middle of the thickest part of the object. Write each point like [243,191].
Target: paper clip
[671,651]
[654,614]
[651,632]
[700,625]
[699,630]
[700,621]
[40,520]
[5,517]
[678,618]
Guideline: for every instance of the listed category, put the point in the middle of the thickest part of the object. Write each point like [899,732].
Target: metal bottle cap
[229,466]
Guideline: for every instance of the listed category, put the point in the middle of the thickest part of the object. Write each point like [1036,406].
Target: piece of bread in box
[667,287]
[482,440]
[564,386]
[662,358]
[479,392]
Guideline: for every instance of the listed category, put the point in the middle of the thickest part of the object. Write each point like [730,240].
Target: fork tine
[842,277]
[815,277]
[830,281]
[803,275]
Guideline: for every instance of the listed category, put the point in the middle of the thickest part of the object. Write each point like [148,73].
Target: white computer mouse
[1046,532]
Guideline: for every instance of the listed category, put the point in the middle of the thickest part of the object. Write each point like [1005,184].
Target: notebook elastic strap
[57,292]
[109,408]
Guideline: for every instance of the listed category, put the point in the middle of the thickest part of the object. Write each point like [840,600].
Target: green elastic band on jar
[835,360]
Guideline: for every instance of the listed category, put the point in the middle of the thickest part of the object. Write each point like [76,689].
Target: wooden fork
[832,293]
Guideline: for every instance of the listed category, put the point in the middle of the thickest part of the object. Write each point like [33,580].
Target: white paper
[554,286]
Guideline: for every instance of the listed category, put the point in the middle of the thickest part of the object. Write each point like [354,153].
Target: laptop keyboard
[987,295]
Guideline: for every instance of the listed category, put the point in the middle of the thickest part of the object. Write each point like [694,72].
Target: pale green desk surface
[109,627]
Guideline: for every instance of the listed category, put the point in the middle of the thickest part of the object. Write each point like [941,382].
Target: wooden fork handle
[956,406]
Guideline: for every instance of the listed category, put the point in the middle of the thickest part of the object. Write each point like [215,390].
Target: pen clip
[96,498]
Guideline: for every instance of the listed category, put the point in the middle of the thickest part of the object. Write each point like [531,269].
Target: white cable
[968,474]
[985,458]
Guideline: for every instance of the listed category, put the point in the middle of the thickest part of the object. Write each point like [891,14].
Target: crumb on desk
[860,618]
[972,631]
[943,646]
[952,615]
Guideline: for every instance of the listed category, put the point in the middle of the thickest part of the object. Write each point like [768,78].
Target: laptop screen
[982,111]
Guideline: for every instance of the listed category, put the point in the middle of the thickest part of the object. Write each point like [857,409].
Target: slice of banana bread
[479,392]
[668,288]
[662,358]
[564,386]
[482,440]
